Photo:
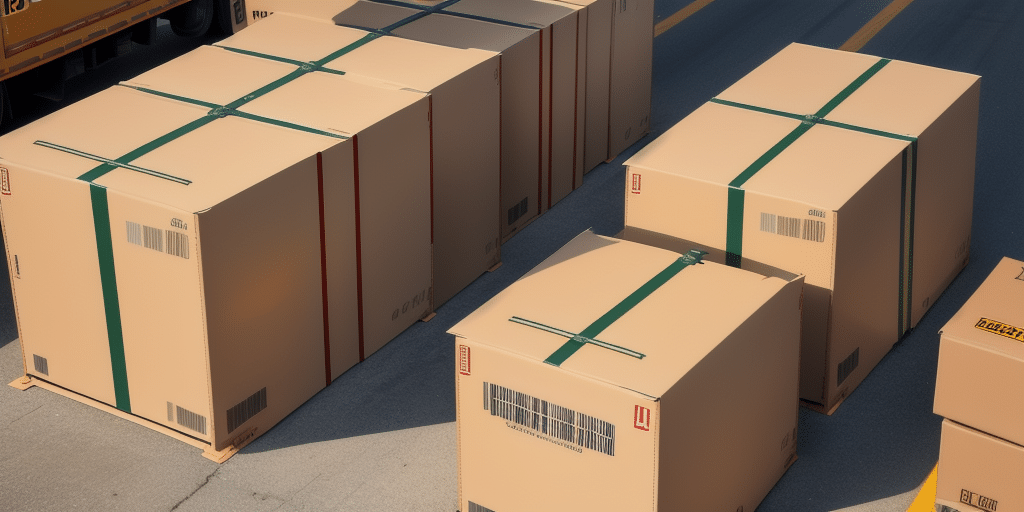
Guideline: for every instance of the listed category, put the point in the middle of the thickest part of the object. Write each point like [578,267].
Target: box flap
[525,12]
[673,310]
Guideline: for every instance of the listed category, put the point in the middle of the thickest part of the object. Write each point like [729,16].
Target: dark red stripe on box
[359,246]
[551,109]
[576,102]
[323,266]
[540,123]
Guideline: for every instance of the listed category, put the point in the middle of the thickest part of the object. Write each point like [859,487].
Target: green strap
[102,169]
[111,305]
[907,204]
[114,163]
[734,218]
[589,334]
[276,58]
[567,334]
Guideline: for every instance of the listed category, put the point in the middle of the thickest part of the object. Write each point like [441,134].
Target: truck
[49,41]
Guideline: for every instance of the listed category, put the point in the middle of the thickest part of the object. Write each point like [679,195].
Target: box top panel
[464,33]
[325,101]
[192,170]
[523,12]
[413,64]
[319,9]
[992,318]
[586,285]
[897,97]
[716,143]
[373,15]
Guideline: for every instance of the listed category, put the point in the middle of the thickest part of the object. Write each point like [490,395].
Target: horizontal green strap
[755,108]
[590,333]
[294,62]
[108,166]
[440,9]
[221,111]
[576,337]
[814,119]
[113,163]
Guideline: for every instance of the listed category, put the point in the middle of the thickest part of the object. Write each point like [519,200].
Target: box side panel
[520,134]
[668,204]
[580,117]
[395,223]
[632,53]
[728,427]
[866,297]
[263,294]
[339,210]
[977,471]
[565,138]
[599,49]
[524,425]
[50,237]
[979,387]
[467,178]
[161,308]
[945,195]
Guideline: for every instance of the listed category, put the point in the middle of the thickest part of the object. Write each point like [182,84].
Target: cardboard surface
[638,412]
[981,357]
[464,93]
[825,198]
[978,472]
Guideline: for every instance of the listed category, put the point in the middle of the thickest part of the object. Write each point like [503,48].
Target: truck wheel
[191,19]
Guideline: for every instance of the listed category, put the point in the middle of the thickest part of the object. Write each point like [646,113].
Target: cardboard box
[978,471]
[197,268]
[653,380]
[598,30]
[869,196]
[465,127]
[981,357]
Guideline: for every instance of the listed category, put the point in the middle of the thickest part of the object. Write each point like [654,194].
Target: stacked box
[656,381]
[853,170]
[979,381]
[208,264]
[464,97]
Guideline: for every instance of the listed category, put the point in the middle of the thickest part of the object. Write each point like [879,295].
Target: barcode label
[177,244]
[518,210]
[547,418]
[807,229]
[848,366]
[157,239]
[41,365]
[191,420]
[473,507]
[246,409]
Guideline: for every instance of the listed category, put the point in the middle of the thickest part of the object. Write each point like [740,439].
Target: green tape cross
[589,335]
[734,221]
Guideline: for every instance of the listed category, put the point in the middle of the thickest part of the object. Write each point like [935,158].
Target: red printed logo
[642,418]
[5,186]
[463,360]
[635,187]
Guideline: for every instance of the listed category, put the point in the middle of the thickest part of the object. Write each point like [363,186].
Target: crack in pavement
[208,478]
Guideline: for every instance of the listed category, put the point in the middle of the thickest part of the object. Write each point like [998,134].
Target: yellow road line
[925,501]
[876,24]
[679,16]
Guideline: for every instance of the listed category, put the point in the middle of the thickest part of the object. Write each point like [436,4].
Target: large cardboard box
[464,93]
[204,268]
[653,381]
[978,472]
[869,195]
[980,375]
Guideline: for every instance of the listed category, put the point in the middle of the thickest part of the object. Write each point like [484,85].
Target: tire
[192,19]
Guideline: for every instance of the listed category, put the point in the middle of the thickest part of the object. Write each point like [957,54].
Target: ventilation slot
[191,420]
[41,365]
[246,409]
[848,366]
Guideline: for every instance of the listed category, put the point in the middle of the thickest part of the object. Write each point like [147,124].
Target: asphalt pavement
[382,436]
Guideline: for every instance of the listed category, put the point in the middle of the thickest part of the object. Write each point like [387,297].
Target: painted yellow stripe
[925,501]
[679,16]
[874,26]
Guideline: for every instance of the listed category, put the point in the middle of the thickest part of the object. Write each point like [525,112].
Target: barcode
[807,229]
[848,366]
[518,210]
[246,409]
[550,419]
[41,365]
[155,238]
[814,230]
[191,420]
[177,244]
[473,507]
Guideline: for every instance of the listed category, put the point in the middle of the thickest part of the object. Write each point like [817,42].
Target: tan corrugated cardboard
[981,357]
[598,29]
[795,178]
[704,420]
[465,95]
[632,52]
[216,254]
[978,472]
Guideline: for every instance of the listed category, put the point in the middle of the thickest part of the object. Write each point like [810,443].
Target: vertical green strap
[907,200]
[111,305]
[570,347]
[734,218]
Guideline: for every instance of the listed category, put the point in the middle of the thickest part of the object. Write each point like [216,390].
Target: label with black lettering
[977,500]
[1000,328]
